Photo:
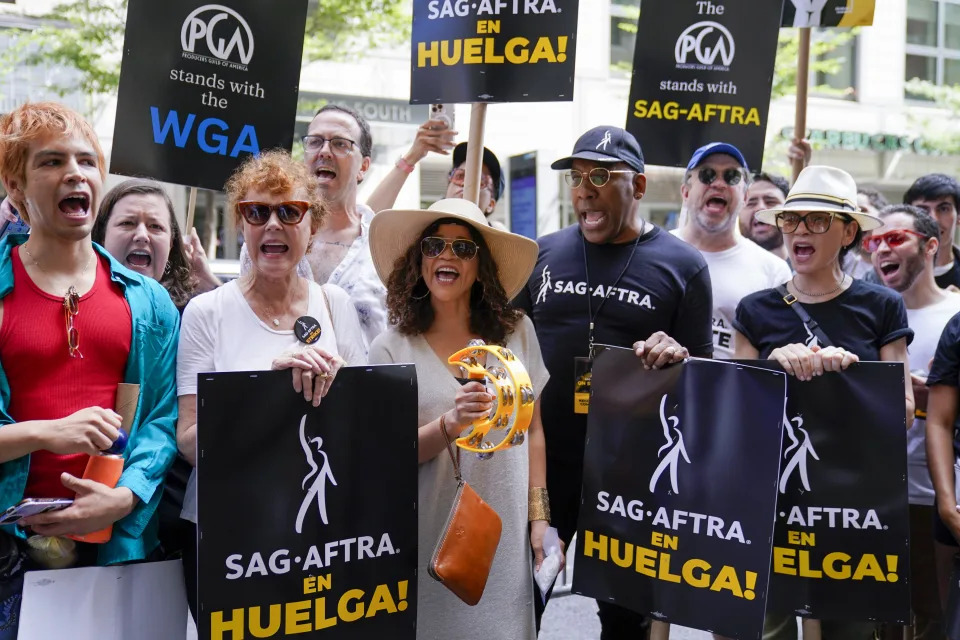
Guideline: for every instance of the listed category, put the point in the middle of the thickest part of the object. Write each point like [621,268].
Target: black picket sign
[203,86]
[841,543]
[308,516]
[679,491]
[702,72]
[493,51]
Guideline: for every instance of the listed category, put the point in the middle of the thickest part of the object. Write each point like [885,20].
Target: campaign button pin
[307,329]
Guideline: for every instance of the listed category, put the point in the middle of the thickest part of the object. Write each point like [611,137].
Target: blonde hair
[34,121]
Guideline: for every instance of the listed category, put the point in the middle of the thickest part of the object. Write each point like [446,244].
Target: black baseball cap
[605,144]
[489,161]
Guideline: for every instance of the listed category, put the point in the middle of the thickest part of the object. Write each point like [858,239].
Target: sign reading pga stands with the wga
[702,71]
[204,85]
[493,50]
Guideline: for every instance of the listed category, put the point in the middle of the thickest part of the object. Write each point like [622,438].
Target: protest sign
[493,50]
[828,13]
[145,600]
[202,86]
[842,531]
[308,516]
[679,491]
[702,72]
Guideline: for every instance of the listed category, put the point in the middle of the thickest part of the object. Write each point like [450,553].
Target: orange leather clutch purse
[468,543]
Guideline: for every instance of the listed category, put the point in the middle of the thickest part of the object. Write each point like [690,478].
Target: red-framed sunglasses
[258,213]
[71,308]
[893,239]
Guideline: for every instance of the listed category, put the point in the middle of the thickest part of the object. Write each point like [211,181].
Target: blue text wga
[213,134]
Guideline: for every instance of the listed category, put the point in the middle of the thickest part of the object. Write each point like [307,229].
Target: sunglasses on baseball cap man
[708,175]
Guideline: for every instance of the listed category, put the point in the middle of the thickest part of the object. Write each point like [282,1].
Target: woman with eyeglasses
[820,222]
[249,324]
[450,278]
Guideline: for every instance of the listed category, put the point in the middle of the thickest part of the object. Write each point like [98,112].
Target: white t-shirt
[356,275]
[220,332]
[735,273]
[927,325]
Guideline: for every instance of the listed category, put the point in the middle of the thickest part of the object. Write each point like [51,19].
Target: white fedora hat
[394,230]
[820,188]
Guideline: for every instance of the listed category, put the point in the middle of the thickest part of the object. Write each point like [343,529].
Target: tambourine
[508,381]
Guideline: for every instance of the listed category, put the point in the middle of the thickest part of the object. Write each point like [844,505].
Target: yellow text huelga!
[655,563]
[834,566]
[450,53]
[291,618]
[697,112]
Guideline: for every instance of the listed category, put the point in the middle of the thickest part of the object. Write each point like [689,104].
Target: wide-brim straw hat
[393,231]
[820,188]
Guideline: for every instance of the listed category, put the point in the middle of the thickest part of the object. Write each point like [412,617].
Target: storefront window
[623,33]
[933,43]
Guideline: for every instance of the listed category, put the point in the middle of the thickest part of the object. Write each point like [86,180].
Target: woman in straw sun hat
[848,320]
[450,278]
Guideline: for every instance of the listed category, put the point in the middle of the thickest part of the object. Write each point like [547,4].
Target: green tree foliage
[940,134]
[87,36]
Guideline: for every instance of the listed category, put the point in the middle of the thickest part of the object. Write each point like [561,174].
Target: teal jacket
[153,446]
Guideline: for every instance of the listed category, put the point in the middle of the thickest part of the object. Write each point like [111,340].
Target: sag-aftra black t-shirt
[861,320]
[666,288]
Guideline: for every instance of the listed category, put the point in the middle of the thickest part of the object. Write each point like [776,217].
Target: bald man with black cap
[617,279]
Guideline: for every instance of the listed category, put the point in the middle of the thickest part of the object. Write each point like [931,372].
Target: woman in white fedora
[849,320]
[450,278]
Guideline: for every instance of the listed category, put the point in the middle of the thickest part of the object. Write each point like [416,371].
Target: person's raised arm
[433,135]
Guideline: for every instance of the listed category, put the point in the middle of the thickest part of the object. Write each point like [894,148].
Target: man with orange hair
[74,323]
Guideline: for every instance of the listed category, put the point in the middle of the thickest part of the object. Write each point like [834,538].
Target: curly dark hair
[177,278]
[491,315]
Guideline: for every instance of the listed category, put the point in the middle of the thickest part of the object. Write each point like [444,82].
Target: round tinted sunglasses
[708,175]
[816,222]
[432,247]
[258,213]
[893,239]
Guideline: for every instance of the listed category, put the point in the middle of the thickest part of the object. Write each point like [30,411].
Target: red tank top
[45,382]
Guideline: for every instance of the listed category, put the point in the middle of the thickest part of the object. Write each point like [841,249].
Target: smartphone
[33,506]
[443,113]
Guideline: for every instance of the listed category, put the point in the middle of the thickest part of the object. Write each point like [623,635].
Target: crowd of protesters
[106,288]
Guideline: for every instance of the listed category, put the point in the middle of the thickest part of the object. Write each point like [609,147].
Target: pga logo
[204,25]
[707,41]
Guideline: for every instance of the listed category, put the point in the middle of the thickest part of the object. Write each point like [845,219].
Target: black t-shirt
[946,367]
[862,319]
[666,288]
[951,277]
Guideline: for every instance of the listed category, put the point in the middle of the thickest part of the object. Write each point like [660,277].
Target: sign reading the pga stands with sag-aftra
[203,86]
[493,50]
[702,72]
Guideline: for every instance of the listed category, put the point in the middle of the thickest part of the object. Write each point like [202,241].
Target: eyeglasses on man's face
[598,176]
[341,147]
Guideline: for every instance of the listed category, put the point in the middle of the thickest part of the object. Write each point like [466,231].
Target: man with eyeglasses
[74,324]
[337,150]
[615,279]
[492,181]
[713,193]
[903,253]
[939,195]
